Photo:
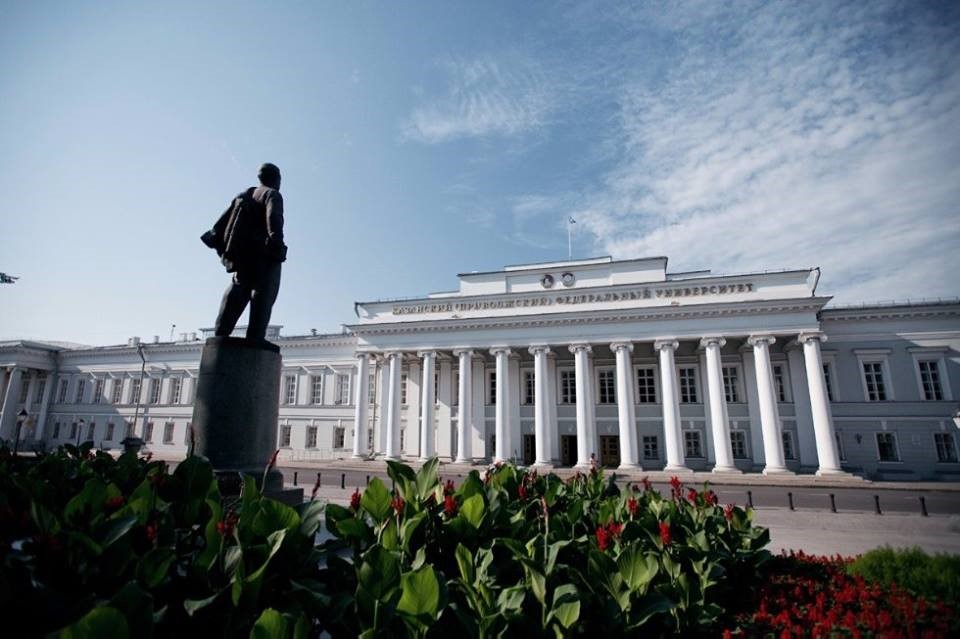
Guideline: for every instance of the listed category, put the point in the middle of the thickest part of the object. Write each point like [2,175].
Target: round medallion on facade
[568,279]
[546,281]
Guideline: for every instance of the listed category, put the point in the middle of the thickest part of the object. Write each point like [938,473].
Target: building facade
[554,364]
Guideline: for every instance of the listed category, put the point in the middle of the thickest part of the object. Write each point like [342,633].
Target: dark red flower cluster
[115,503]
[228,524]
[398,505]
[692,495]
[632,506]
[449,487]
[728,511]
[522,492]
[808,596]
[355,500]
[450,505]
[665,533]
[676,488]
[710,497]
[607,534]
[151,531]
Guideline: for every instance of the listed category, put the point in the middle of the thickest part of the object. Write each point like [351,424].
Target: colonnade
[586,430]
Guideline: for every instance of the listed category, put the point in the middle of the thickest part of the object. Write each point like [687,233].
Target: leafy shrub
[933,577]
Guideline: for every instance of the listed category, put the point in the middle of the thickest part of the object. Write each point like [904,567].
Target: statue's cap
[268,172]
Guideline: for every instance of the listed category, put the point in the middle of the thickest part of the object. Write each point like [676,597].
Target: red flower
[665,533]
[727,634]
[676,488]
[151,532]
[711,498]
[522,491]
[450,505]
[615,529]
[355,500]
[115,503]
[603,538]
[675,483]
[728,511]
[398,504]
[632,506]
[692,496]
[228,524]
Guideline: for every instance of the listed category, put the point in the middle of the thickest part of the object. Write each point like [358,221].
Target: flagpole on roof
[570,223]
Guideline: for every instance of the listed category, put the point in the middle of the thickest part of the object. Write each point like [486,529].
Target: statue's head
[269,175]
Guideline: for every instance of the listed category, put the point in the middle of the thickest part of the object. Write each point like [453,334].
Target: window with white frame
[692,443]
[73,430]
[887,450]
[81,387]
[780,382]
[371,389]
[285,436]
[108,436]
[339,436]
[788,451]
[135,384]
[41,387]
[528,387]
[290,389]
[316,389]
[606,386]
[436,387]
[56,430]
[91,429]
[568,387]
[828,380]
[343,389]
[688,384]
[155,385]
[651,447]
[491,387]
[176,386]
[456,388]
[62,393]
[403,437]
[117,391]
[874,382]
[311,441]
[129,432]
[738,444]
[148,432]
[168,433]
[646,385]
[946,447]
[731,383]
[403,389]
[930,379]
[97,391]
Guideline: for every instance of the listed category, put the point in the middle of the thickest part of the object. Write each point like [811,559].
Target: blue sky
[418,140]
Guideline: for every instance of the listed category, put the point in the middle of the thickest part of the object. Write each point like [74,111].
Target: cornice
[890,312]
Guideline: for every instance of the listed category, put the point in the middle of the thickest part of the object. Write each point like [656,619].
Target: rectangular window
[688,385]
[456,388]
[692,444]
[788,451]
[930,380]
[91,430]
[56,430]
[492,387]
[168,433]
[568,387]
[946,448]
[887,447]
[436,387]
[41,387]
[370,435]
[129,429]
[316,389]
[109,434]
[371,389]
[176,387]
[731,383]
[828,381]
[779,382]
[81,387]
[24,390]
[607,387]
[285,436]
[528,387]
[62,393]
[290,390]
[135,384]
[148,432]
[97,391]
[646,386]
[403,437]
[738,443]
[343,389]
[651,447]
[403,389]
[117,391]
[155,385]
[311,437]
[73,430]
[873,377]
[339,434]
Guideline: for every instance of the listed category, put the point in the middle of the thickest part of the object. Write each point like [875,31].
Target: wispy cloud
[498,95]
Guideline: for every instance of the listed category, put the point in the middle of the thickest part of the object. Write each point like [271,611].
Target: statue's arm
[274,206]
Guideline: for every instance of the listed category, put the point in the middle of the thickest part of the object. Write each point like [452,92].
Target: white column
[629,452]
[769,415]
[541,406]
[464,404]
[671,406]
[719,419]
[586,426]
[393,407]
[427,408]
[361,407]
[822,419]
[4,378]
[31,389]
[8,417]
[45,404]
[503,427]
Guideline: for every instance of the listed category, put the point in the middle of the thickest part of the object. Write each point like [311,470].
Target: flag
[571,221]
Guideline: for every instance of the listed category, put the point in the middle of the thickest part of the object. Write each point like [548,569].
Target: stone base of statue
[235,413]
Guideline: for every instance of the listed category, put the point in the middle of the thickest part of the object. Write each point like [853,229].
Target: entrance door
[609,451]
[568,450]
[529,454]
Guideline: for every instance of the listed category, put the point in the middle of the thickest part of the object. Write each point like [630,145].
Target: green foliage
[932,576]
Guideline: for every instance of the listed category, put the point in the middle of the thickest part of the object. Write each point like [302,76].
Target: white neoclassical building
[554,363]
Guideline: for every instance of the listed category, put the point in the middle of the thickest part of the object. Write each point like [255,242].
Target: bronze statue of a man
[248,237]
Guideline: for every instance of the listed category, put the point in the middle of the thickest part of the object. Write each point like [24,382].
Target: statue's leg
[234,300]
[261,300]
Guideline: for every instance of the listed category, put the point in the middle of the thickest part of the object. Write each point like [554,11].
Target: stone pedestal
[235,412]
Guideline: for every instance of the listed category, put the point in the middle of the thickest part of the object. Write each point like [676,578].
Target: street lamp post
[21,418]
[143,367]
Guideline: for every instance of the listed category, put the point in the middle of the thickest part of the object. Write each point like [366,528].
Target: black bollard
[923,506]
[750,498]
[876,504]
[294,478]
[319,480]
[368,480]
[790,500]
[833,503]
[343,481]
